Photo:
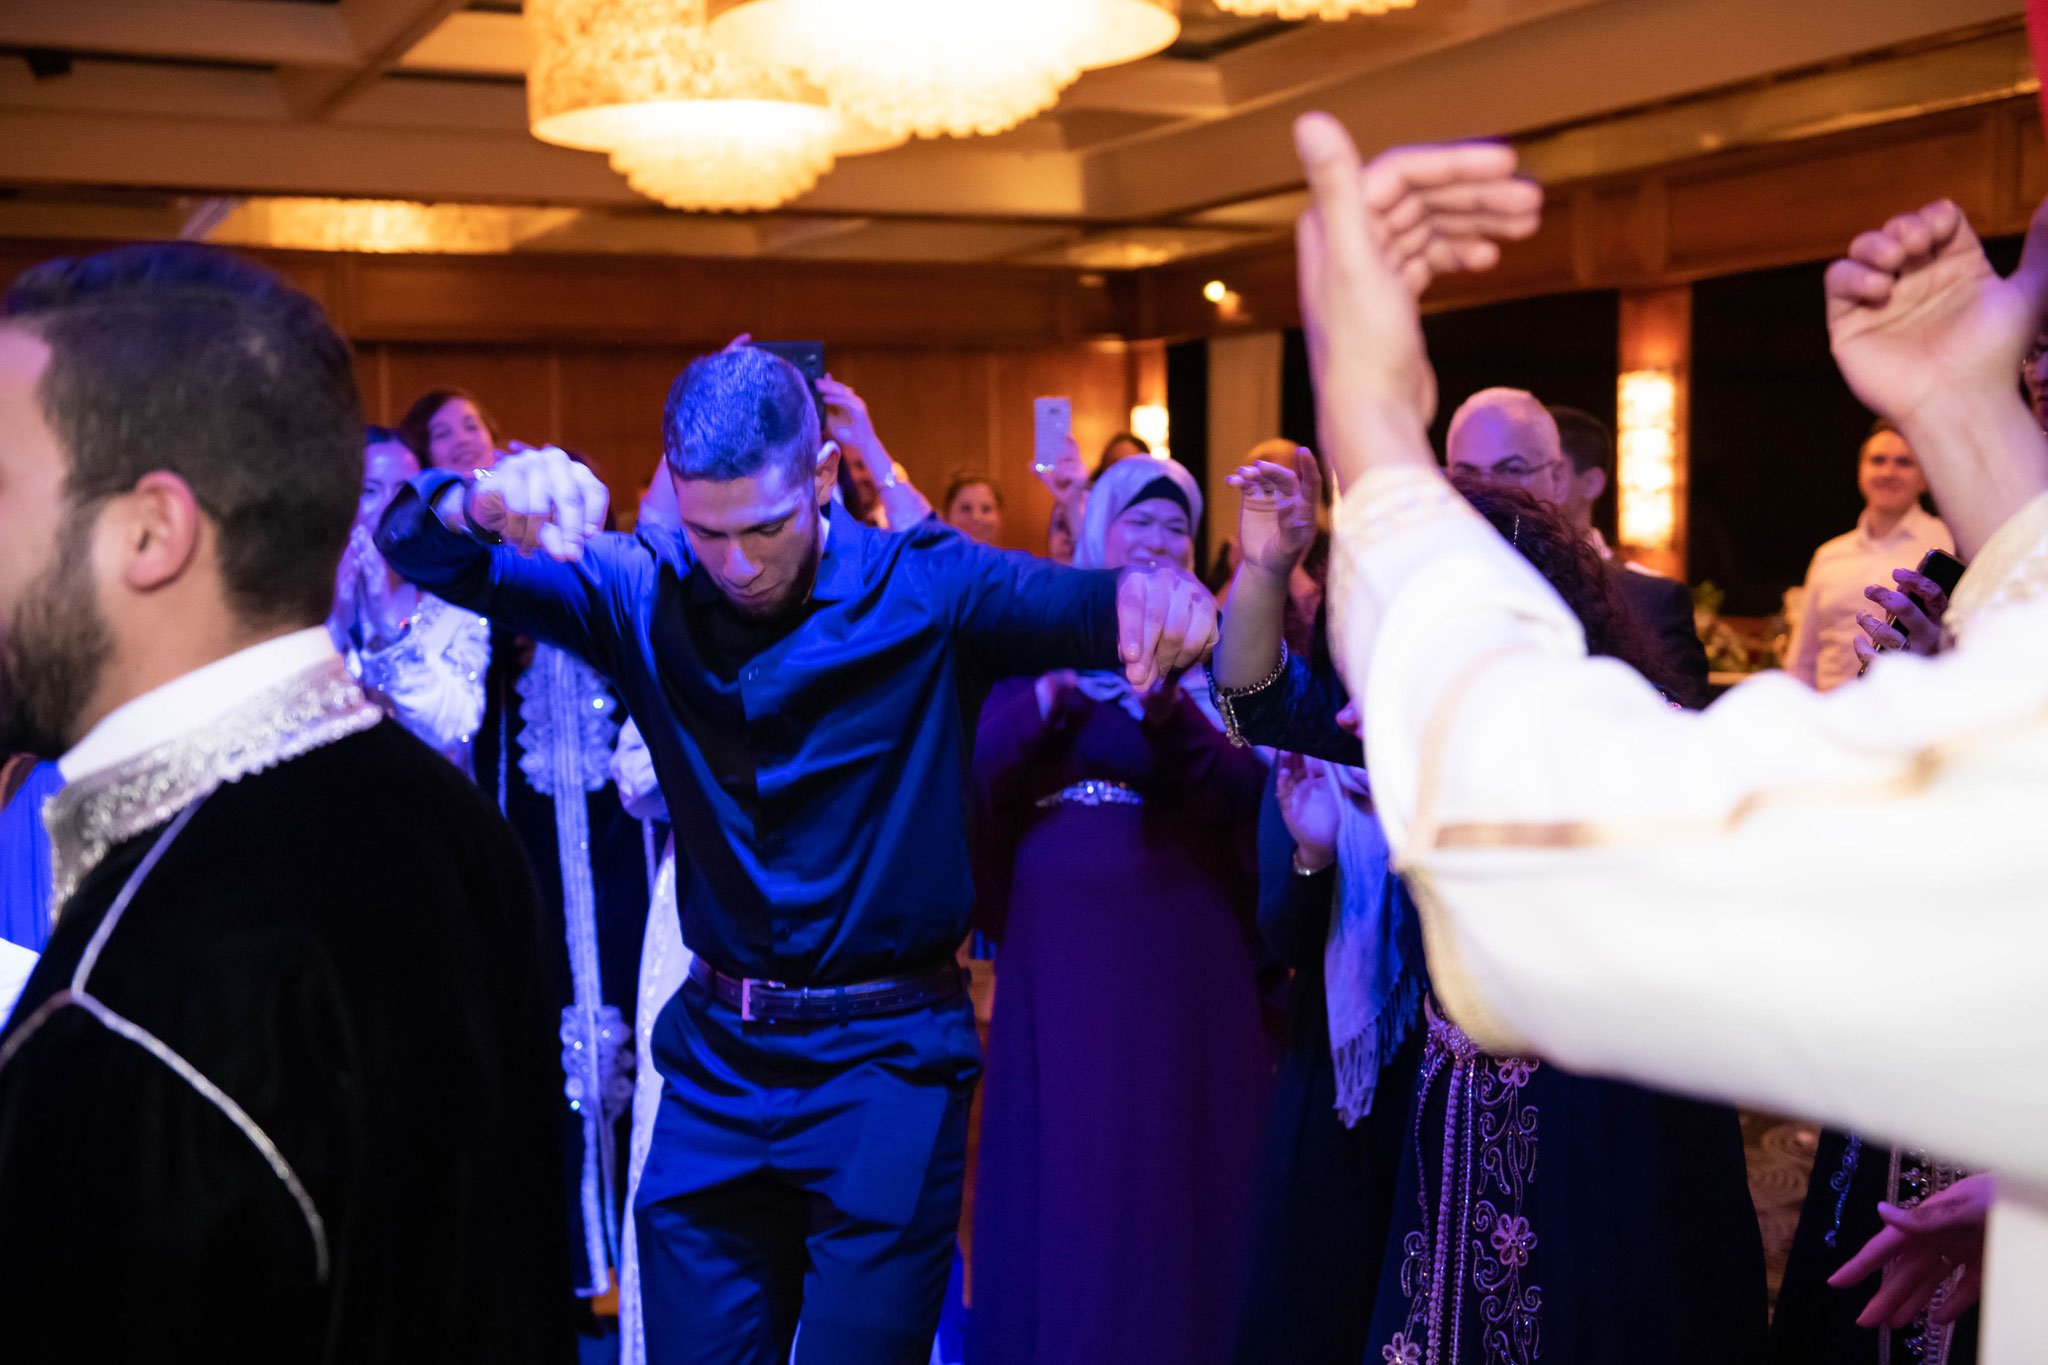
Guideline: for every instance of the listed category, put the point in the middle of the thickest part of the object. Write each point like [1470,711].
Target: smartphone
[1052,427]
[1942,567]
[809,359]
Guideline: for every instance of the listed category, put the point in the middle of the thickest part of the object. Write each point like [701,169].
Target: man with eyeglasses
[1507,437]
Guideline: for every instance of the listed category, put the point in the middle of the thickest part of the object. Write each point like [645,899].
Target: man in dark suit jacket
[1564,457]
[1662,606]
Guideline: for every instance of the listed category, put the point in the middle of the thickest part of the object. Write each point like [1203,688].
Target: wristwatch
[470,485]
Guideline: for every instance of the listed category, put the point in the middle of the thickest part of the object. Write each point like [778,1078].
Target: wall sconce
[1227,300]
[1149,424]
[1647,478]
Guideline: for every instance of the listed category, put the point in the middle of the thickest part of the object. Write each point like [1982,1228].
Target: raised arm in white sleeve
[1691,900]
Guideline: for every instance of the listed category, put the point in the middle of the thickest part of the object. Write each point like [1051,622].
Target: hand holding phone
[1943,570]
[1055,456]
[1052,430]
[1923,592]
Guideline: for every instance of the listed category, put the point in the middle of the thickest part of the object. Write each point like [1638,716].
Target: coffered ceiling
[213,118]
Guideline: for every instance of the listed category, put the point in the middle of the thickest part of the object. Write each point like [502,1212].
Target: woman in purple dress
[1127,1065]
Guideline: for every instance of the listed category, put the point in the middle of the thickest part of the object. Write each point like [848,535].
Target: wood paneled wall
[580,350]
[940,410]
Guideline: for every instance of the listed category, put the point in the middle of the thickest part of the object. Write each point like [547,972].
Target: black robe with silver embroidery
[344,948]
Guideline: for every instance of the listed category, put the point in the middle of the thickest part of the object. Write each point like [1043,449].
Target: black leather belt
[772,1002]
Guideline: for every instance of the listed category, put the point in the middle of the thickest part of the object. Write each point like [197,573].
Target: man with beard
[808,689]
[287,1047]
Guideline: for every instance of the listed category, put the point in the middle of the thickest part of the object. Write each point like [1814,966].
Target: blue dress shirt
[816,770]
[25,861]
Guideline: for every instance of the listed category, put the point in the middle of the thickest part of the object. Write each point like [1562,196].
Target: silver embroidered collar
[305,712]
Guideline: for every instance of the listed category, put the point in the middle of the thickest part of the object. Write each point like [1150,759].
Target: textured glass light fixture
[1311,9]
[379,225]
[729,154]
[1647,460]
[684,122]
[1122,31]
[943,67]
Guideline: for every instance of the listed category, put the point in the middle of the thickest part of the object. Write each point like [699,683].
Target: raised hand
[1919,1250]
[1309,805]
[1375,237]
[1166,621]
[1915,311]
[1066,478]
[1277,523]
[348,575]
[1445,209]
[540,499]
[847,422]
[371,569]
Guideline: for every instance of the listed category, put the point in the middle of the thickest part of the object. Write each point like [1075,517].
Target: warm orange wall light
[1648,459]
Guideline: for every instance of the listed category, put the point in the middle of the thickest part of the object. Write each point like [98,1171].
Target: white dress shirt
[1823,651]
[1692,901]
[186,703]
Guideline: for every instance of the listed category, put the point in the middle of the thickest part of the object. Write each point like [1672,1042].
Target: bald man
[1507,437]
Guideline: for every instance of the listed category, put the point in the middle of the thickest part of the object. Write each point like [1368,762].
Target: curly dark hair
[1547,540]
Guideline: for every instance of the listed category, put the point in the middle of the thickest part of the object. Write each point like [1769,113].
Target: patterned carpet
[1780,1159]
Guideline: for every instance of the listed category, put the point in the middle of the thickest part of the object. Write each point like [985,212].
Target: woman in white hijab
[1123,1108]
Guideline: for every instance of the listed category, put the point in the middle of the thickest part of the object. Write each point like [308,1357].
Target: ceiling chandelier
[943,67]
[1311,9]
[686,123]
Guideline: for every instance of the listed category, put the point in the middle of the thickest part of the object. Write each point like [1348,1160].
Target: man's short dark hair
[1587,442]
[185,359]
[732,414]
[1879,427]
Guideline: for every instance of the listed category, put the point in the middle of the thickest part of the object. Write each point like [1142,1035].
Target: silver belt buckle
[747,984]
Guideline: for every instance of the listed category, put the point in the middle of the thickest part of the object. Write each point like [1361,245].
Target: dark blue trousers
[803,1176]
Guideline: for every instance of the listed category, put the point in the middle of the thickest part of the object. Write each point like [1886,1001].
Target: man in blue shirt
[808,688]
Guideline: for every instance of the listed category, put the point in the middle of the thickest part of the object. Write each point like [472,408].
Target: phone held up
[1052,427]
[809,359]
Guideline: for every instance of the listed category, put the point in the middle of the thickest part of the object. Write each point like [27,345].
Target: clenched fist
[1166,621]
[540,499]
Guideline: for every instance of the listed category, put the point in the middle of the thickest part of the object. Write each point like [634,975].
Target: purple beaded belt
[1093,792]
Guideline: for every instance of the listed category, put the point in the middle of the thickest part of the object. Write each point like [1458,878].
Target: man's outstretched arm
[1020,614]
